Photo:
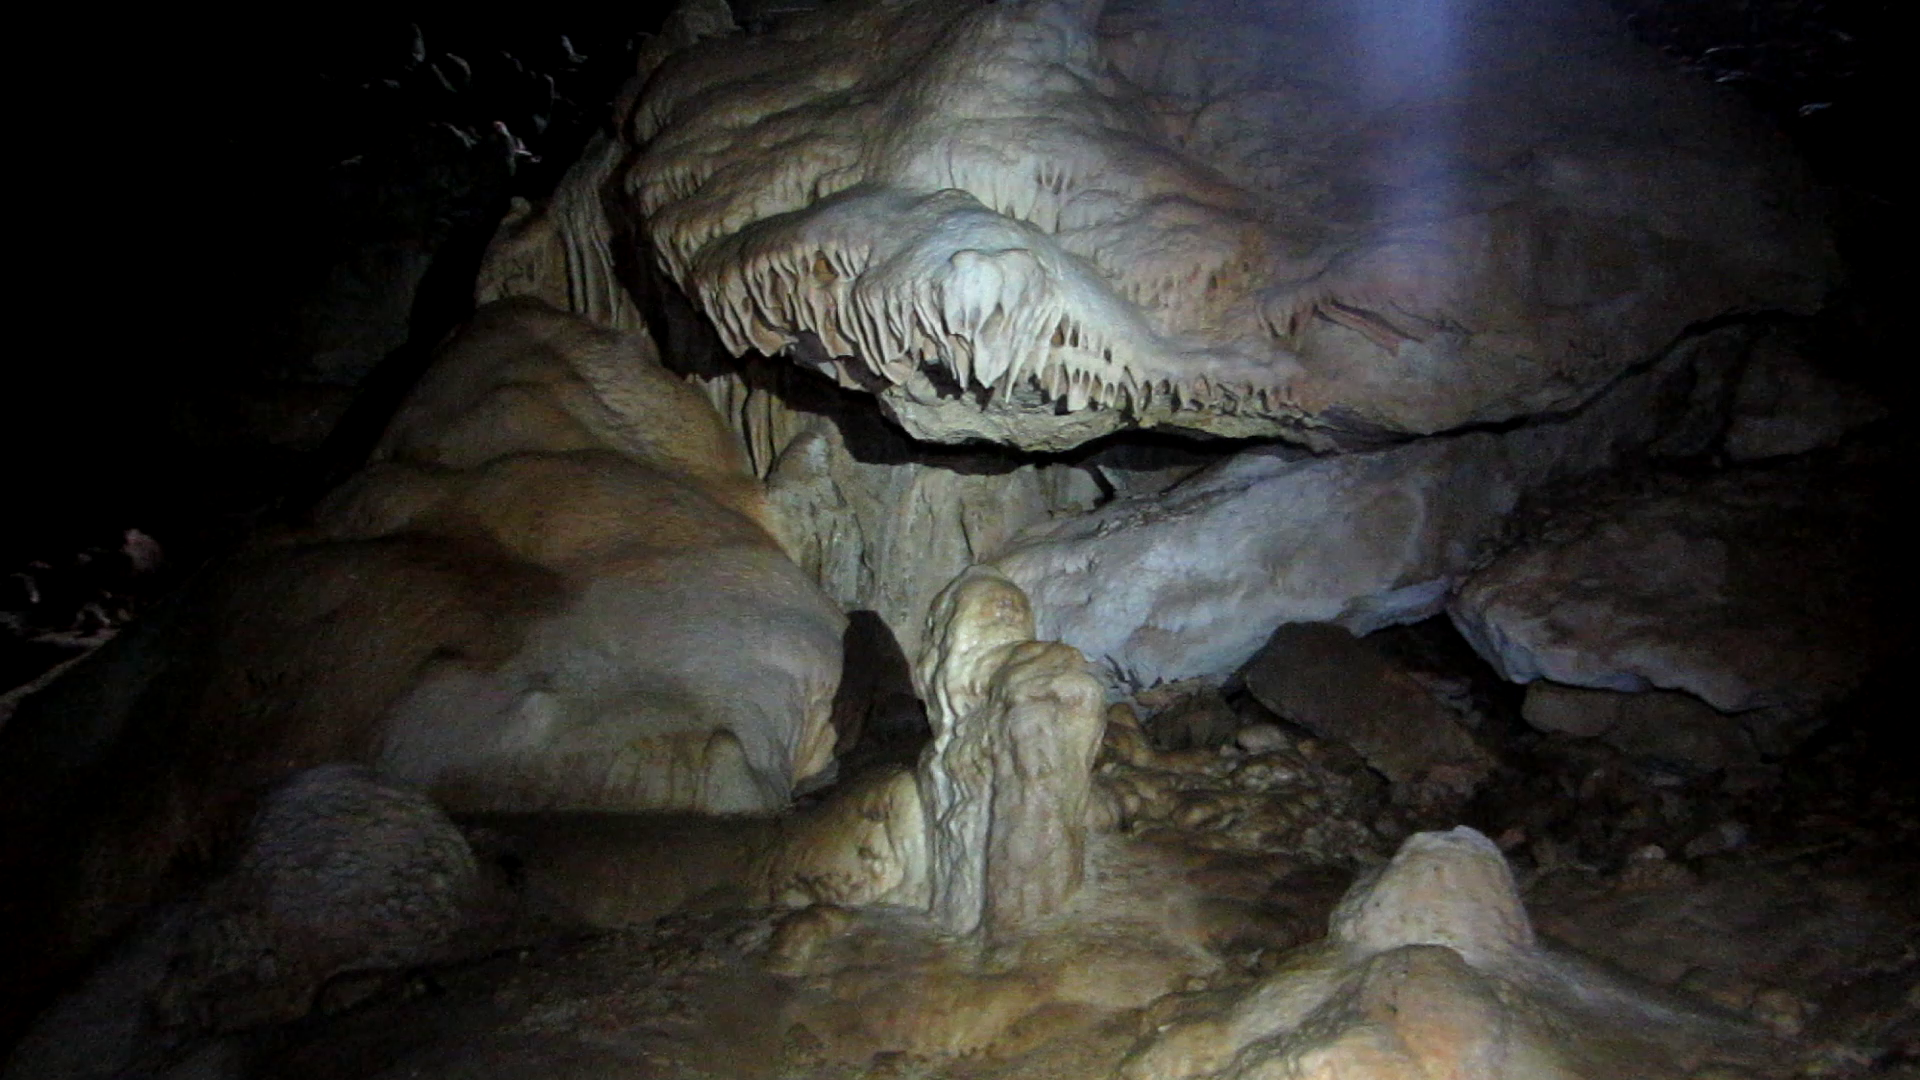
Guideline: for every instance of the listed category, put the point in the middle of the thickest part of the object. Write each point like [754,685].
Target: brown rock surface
[1324,679]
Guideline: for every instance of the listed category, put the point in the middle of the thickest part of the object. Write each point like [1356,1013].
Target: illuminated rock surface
[1037,223]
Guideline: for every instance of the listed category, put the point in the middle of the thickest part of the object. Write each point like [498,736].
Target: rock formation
[1742,589]
[336,875]
[1004,783]
[1085,347]
[1037,223]
[1430,968]
[1192,580]
[690,666]
[551,590]
[1321,678]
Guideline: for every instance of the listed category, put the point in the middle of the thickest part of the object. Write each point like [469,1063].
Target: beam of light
[1410,77]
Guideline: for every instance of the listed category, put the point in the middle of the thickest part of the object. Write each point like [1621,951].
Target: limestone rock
[1199,719]
[1741,589]
[1667,725]
[1784,405]
[1313,247]
[337,874]
[1441,888]
[1004,784]
[866,844]
[1338,687]
[1431,969]
[889,537]
[1176,586]
[1191,581]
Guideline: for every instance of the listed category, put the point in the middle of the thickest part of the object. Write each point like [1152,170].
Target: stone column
[1004,783]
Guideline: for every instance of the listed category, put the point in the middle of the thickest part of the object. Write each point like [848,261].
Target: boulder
[1338,687]
[1191,581]
[337,874]
[1785,405]
[1743,589]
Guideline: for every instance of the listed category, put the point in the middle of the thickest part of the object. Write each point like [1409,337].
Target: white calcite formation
[1192,581]
[989,833]
[687,664]
[1004,784]
[1037,222]
[1430,969]
[888,537]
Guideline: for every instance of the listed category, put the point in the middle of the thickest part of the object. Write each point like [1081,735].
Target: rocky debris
[1004,784]
[1743,589]
[1805,946]
[1564,804]
[1192,714]
[1289,798]
[1324,679]
[1430,968]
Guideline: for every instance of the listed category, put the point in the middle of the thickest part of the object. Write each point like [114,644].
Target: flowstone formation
[988,834]
[688,665]
[1004,782]
[1430,968]
[552,590]
[1040,222]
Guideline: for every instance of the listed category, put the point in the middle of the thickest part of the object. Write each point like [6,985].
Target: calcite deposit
[1038,223]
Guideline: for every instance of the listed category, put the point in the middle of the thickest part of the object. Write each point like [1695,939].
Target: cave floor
[1806,935]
